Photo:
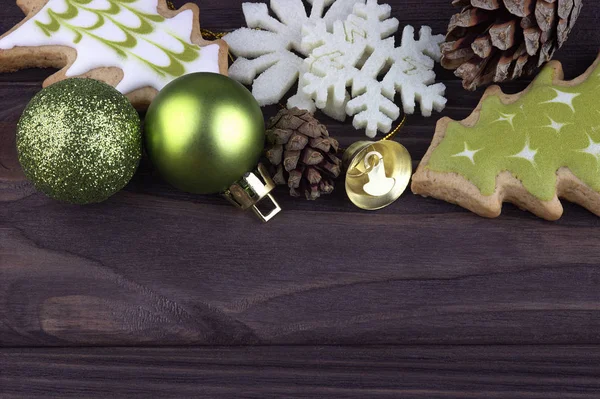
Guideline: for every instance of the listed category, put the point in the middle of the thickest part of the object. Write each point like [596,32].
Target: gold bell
[252,189]
[377,173]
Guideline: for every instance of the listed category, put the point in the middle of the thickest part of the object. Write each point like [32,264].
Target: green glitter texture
[79,141]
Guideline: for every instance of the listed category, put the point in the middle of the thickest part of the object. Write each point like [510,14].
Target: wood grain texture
[154,266]
[435,372]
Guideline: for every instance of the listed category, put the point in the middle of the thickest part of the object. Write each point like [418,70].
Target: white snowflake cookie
[271,48]
[360,54]
[351,46]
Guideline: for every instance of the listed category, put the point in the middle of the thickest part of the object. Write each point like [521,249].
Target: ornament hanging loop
[252,189]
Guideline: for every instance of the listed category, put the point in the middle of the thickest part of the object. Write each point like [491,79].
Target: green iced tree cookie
[548,127]
[530,149]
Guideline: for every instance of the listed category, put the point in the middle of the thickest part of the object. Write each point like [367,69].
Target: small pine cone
[302,153]
[501,40]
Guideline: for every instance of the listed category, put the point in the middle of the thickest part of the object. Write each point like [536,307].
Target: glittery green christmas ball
[79,141]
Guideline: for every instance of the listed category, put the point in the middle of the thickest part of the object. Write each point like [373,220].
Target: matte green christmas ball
[203,132]
[79,141]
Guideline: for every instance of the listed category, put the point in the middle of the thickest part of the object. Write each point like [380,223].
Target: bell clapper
[379,184]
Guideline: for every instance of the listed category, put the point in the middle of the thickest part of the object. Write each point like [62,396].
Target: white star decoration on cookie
[563,98]
[526,153]
[506,118]
[556,126]
[468,154]
[593,148]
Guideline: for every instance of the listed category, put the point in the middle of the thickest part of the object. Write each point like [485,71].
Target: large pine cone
[500,40]
[302,153]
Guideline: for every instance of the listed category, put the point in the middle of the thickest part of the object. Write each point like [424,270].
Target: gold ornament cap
[251,189]
[377,173]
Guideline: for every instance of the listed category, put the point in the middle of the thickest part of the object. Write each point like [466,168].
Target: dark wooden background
[157,293]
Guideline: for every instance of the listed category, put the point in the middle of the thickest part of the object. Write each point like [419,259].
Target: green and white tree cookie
[529,149]
[138,46]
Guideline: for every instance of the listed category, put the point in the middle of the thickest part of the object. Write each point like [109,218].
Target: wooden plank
[157,266]
[150,267]
[515,372]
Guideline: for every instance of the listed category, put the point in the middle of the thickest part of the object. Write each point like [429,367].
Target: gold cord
[209,34]
[212,35]
[396,130]
[205,32]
